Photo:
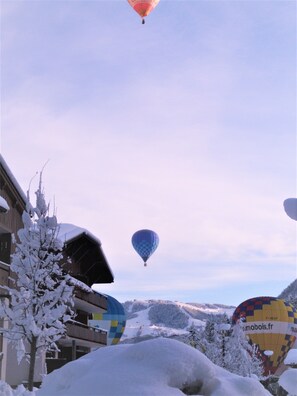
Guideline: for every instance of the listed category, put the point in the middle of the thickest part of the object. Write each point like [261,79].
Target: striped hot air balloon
[113,320]
[271,324]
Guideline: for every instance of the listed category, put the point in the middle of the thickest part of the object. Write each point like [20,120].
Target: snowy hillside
[153,318]
[290,293]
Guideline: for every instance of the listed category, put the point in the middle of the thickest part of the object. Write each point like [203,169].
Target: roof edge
[13,179]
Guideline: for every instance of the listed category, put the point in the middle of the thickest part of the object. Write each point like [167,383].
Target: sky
[185,125]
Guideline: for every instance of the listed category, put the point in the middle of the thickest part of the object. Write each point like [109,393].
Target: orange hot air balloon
[143,7]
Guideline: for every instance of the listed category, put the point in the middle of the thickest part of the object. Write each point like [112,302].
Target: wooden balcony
[96,299]
[81,331]
[4,273]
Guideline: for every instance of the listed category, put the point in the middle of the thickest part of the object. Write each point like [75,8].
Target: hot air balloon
[113,320]
[143,7]
[145,242]
[290,206]
[271,324]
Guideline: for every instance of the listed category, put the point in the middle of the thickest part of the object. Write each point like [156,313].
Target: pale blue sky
[185,125]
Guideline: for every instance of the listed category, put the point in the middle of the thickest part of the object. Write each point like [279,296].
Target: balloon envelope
[145,242]
[290,206]
[113,320]
[271,324]
[143,7]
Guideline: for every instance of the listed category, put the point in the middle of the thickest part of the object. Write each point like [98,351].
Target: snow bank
[69,232]
[291,357]
[150,368]
[6,390]
[288,381]
[3,205]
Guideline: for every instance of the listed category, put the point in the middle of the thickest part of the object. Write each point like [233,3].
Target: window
[5,247]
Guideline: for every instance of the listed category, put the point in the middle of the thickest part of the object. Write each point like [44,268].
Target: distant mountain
[152,318]
[290,293]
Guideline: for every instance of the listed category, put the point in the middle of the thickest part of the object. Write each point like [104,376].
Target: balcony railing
[93,298]
[4,265]
[84,332]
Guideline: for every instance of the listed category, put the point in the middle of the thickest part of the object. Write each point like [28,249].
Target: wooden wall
[11,221]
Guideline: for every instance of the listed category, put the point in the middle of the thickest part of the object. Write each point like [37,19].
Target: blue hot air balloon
[290,206]
[145,242]
[113,320]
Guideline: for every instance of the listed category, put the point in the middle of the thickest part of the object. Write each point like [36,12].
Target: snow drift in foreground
[150,368]
[288,381]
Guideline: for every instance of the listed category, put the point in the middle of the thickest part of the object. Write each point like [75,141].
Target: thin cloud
[181,127]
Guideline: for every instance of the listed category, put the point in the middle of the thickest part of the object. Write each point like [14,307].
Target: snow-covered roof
[69,232]
[81,285]
[3,205]
[291,357]
[95,263]
[288,381]
[13,179]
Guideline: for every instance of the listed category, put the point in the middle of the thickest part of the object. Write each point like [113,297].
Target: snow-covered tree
[290,294]
[41,297]
[194,337]
[228,347]
[168,315]
[209,332]
[213,339]
[257,367]
[242,358]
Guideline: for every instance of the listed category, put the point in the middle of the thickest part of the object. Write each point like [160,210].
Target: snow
[13,179]
[150,368]
[69,232]
[41,299]
[140,325]
[208,308]
[3,205]
[6,390]
[223,326]
[81,285]
[291,357]
[288,381]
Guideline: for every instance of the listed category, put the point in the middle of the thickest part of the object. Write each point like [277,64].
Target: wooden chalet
[88,265]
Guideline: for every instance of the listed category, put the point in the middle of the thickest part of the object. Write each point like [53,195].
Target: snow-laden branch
[42,297]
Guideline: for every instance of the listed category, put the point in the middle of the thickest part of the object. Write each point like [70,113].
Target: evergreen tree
[229,347]
[194,337]
[214,340]
[209,333]
[242,357]
[290,294]
[41,299]
[257,367]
